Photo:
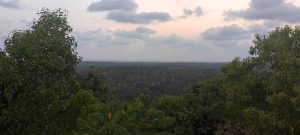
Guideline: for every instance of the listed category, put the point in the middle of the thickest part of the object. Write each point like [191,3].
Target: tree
[95,82]
[46,52]
[261,92]
[85,115]
[37,76]
[278,59]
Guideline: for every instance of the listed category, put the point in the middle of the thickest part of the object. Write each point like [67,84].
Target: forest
[129,79]
[42,93]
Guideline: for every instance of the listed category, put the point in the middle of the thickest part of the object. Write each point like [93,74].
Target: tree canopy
[37,76]
[262,91]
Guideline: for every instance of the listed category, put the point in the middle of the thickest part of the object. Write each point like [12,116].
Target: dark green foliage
[262,90]
[45,52]
[194,114]
[129,79]
[37,76]
[94,81]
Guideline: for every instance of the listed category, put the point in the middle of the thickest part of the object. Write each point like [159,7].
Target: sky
[158,30]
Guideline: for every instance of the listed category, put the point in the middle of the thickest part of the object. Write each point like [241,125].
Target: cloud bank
[13,4]
[231,32]
[277,10]
[108,5]
[124,11]
[143,44]
[138,18]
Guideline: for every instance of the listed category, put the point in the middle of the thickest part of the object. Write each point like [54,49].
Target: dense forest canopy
[41,93]
[129,79]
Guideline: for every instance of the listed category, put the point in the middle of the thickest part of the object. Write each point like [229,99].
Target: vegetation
[41,93]
[129,79]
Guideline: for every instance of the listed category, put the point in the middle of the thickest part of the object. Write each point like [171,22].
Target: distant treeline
[129,79]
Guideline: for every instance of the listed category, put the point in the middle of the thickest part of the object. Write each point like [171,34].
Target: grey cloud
[278,10]
[129,34]
[265,27]
[98,36]
[127,37]
[174,41]
[124,11]
[187,12]
[138,18]
[149,39]
[198,11]
[233,38]
[224,37]
[231,32]
[169,41]
[108,5]
[145,30]
[273,24]
[111,38]
[14,4]
[138,44]
[138,33]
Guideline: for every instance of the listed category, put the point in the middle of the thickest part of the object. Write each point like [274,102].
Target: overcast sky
[159,30]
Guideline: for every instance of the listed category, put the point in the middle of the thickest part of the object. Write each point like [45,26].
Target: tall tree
[262,91]
[46,52]
[37,76]
[278,59]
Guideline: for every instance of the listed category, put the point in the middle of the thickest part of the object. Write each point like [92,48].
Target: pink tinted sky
[210,36]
